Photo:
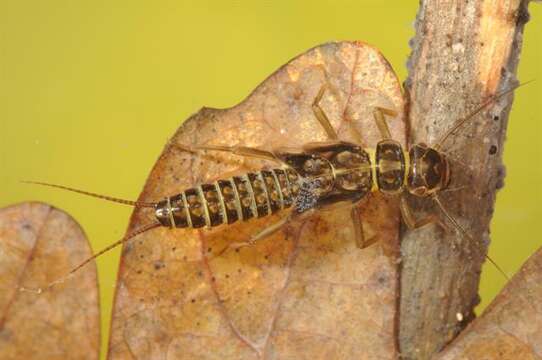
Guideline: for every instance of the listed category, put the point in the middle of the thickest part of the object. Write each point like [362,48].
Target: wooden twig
[463,53]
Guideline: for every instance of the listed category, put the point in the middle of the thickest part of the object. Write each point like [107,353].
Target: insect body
[324,174]
[319,175]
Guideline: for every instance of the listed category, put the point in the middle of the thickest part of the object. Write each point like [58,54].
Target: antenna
[464,233]
[99,196]
[476,111]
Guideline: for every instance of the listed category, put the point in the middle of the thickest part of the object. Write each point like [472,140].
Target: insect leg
[241,151]
[381,121]
[321,115]
[237,150]
[357,223]
[361,242]
[413,223]
[270,230]
[267,231]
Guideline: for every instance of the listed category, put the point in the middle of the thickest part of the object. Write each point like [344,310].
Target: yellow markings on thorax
[395,165]
[372,160]
[406,155]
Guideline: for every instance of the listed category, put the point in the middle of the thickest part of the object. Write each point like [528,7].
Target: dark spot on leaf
[193,301]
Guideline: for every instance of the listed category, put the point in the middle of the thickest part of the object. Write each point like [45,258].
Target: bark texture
[304,293]
[463,53]
[40,244]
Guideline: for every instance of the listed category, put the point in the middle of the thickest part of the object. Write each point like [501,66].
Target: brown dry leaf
[39,244]
[305,293]
[511,327]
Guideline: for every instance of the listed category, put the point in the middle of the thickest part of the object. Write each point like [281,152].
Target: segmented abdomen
[252,195]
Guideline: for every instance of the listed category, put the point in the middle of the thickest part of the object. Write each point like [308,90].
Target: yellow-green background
[91,91]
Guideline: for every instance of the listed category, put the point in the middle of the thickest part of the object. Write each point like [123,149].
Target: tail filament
[86,261]
[87,193]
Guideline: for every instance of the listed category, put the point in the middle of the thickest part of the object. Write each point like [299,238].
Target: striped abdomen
[252,195]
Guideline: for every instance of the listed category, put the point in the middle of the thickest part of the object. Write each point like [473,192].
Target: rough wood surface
[462,53]
[39,244]
[306,293]
[511,327]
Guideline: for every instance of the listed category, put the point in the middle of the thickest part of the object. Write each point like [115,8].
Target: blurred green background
[91,91]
